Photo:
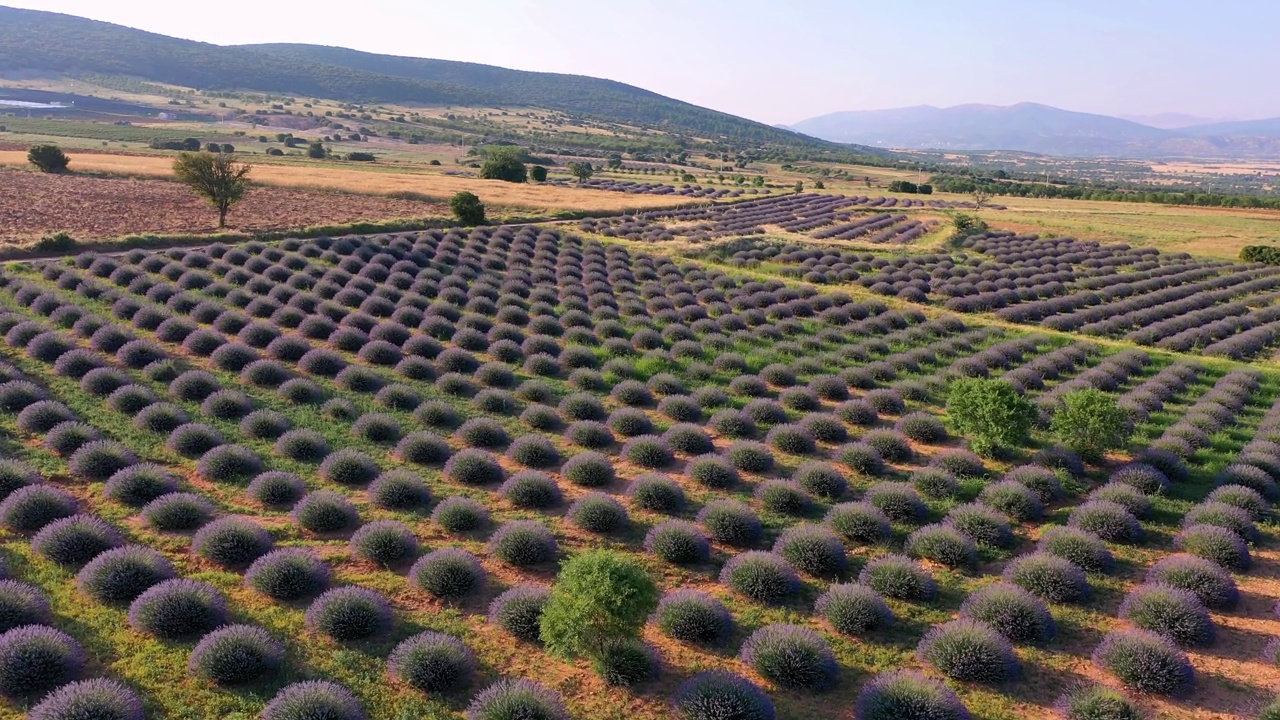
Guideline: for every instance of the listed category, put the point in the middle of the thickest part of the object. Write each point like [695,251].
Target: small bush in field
[1217,544]
[1077,546]
[232,541]
[760,576]
[236,654]
[694,617]
[898,577]
[908,694]
[288,574]
[432,662]
[853,609]
[969,650]
[1173,612]
[1107,520]
[460,514]
[1205,579]
[349,613]
[22,604]
[508,699]
[942,544]
[717,694]
[313,698]
[519,610]
[178,608]
[98,698]
[122,574]
[860,522]
[1145,662]
[1012,611]
[657,493]
[35,659]
[899,501]
[730,522]
[30,508]
[1050,577]
[385,542]
[791,656]
[523,542]
[1096,702]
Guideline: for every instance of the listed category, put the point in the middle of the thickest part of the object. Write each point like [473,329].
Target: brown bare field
[35,204]
[541,199]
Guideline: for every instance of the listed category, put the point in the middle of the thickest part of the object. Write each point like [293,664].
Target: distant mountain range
[32,40]
[1034,128]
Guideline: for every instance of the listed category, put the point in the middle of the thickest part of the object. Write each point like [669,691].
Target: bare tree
[215,177]
[980,197]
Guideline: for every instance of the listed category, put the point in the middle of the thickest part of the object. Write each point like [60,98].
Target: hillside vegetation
[32,40]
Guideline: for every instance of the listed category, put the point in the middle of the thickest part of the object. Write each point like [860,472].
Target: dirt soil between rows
[89,208]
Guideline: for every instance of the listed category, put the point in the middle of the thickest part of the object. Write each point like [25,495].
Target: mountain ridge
[1043,129]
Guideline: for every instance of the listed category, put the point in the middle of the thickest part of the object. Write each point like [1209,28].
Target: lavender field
[338,478]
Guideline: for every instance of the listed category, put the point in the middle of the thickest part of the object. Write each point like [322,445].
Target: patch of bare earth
[37,204]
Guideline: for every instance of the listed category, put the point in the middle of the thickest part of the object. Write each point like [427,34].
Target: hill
[577,94]
[42,41]
[1035,128]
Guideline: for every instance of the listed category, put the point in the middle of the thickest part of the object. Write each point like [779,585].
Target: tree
[49,158]
[538,173]
[819,185]
[990,413]
[980,197]
[966,224]
[600,597]
[614,161]
[216,177]
[504,164]
[799,186]
[1090,422]
[317,151]
[467,208]
[191,144]
[213,147]
[582,170]
[757,181]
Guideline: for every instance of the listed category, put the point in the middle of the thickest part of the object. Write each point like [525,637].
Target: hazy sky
[781,61]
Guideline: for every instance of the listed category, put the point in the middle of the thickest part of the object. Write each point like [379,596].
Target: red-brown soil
[35,204]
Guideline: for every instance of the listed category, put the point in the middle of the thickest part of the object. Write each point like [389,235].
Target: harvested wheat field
[495,193]
[34,204]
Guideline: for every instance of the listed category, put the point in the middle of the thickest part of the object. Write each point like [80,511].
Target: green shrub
[599,597]
[48,158]
[57,242]
[467,208]
[504,163]
[990,413]
[1090,422]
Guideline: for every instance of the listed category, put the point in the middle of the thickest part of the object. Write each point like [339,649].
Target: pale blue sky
[780,62]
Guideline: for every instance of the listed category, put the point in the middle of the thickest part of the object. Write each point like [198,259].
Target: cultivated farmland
[335,456]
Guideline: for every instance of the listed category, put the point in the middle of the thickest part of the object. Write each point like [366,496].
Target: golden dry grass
[541,199]
[1214,232]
